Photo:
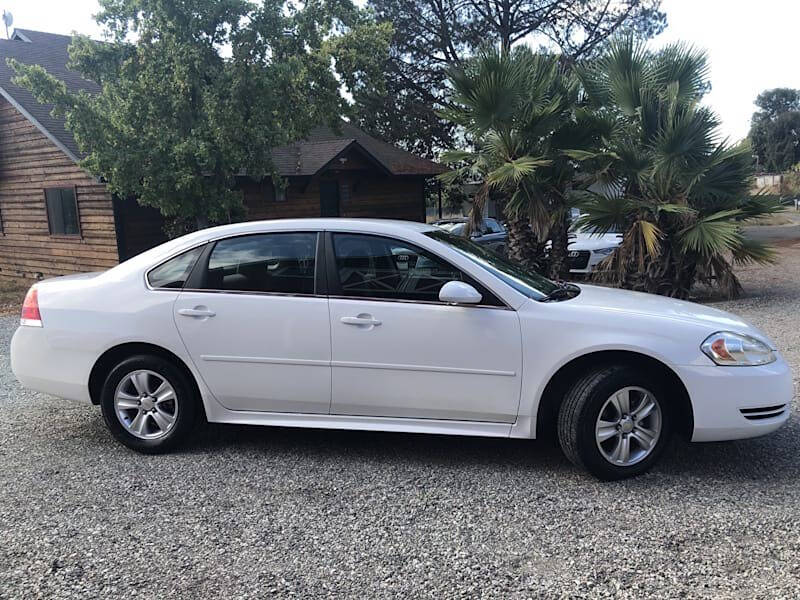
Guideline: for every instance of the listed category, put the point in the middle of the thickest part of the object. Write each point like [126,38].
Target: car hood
[585,241]
[624,302]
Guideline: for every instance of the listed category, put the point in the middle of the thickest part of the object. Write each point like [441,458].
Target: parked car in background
[392,326]
[492,234]
[588,247]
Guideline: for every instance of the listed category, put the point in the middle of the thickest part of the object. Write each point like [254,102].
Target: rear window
[174,273]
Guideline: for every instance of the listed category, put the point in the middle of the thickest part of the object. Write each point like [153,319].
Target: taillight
[30,309]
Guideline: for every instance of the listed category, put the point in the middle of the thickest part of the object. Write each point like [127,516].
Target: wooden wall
[364,194]
[29,162]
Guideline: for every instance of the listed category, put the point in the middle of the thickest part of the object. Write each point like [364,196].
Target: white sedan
[392,326]
[588,247]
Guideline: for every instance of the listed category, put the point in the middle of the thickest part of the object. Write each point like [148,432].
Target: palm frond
[712,234]
[513,171]
[457,156]
[651,236]
[683,66]
[604,213]
[753,251]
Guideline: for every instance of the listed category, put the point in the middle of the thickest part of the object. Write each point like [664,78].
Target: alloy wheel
[146,404]
[628,426]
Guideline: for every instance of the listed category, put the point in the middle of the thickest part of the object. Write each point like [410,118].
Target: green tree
[206,90]
[432,36]
[520,112]
[775,129]
[679,195]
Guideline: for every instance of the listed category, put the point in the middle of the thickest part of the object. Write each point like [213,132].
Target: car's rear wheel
[149,404]
[615,422]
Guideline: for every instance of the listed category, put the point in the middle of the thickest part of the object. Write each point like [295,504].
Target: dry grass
[12,292]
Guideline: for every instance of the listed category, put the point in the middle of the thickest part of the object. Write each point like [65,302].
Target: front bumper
[591,263]
[720,394]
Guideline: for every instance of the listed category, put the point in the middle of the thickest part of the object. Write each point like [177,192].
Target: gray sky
[752,45]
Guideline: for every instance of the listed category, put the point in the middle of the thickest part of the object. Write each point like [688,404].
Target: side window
[174,273]
[378,267]
[270,262]
[62,211]
[493,226]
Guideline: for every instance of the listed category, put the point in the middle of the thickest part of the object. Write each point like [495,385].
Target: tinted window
[378,267]
[493,226]
[272,262]
[62,211]
[174,272]
[523,280]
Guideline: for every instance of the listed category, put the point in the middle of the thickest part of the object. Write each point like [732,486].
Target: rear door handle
[363,320]
[196,312]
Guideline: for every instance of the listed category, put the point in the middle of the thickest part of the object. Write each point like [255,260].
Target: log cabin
[57,219]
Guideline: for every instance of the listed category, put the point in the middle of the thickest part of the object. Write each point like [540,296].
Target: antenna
[8,19]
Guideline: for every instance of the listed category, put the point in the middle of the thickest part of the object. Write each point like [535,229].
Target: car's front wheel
[149,404]
[615,422]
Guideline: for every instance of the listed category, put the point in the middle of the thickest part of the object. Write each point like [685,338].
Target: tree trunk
[521,245]
[559,236]
[202,222]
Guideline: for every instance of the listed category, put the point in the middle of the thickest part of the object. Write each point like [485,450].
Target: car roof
[385,226]
[154,255]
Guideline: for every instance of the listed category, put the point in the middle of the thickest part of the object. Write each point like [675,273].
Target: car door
[399,352]
[256,330]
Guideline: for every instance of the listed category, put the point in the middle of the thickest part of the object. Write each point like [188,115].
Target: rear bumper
[720,394]
[40,366]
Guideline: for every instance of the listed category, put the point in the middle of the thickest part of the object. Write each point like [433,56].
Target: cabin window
[62,211]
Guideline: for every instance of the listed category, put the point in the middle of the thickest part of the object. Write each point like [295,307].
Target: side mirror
[458,292]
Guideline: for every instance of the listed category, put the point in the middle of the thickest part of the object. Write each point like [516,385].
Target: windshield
[525,282]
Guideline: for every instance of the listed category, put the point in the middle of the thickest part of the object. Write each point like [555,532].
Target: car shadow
[774,457]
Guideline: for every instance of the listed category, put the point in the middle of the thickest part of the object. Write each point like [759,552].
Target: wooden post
[439,189]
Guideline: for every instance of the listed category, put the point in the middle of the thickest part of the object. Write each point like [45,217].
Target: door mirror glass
[458,292]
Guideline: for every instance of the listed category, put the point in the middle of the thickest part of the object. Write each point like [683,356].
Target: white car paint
[434,368]
[597,244]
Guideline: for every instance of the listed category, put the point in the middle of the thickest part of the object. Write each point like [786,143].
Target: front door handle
[196,312]
[363,320]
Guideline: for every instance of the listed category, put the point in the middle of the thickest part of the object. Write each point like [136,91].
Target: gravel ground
[249,512]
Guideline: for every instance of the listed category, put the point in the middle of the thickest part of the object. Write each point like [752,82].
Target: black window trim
[334,285]
[58,186]
[326,277]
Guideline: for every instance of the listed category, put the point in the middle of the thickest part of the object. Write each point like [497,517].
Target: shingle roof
[323,144]
[50,51]
[304,157]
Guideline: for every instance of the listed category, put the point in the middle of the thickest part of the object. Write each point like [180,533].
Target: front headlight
[735,350]
[604,251]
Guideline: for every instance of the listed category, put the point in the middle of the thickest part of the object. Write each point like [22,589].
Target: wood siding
[361,194]
[29,163]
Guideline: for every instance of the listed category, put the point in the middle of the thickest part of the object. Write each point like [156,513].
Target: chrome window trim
[427,302]
[252,293]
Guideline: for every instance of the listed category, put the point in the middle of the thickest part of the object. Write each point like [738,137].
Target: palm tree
[518,109]
[678,192]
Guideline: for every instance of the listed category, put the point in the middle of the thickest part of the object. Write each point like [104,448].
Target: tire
[600,448]
[162,424]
